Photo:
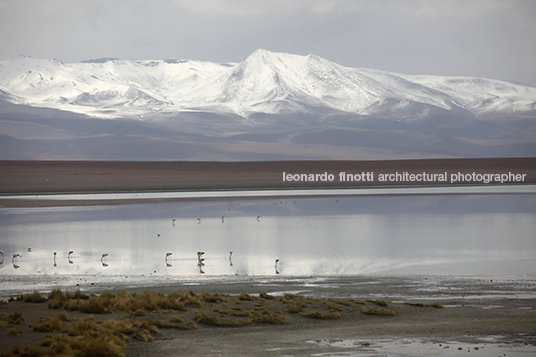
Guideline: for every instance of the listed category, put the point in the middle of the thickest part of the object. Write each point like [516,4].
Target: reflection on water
[432,234]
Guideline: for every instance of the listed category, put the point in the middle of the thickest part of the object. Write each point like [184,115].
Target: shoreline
[47,178]
[122,198]
[479,322]
[53,177]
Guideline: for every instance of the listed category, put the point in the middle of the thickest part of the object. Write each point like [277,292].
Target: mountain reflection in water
[409,234]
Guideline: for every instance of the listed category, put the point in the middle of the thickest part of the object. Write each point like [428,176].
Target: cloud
[255,7]
[490,38]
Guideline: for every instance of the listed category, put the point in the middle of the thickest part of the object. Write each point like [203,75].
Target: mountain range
[270,105]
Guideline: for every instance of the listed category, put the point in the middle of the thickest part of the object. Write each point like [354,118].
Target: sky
[480,38]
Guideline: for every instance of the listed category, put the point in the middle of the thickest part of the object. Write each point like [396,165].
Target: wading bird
[200,258]
[198,220]
[200,262]
[173,221]
[258,218]
[276,261]
[230,258]
[55,259]
[69,257]
[222,219]
[2,253]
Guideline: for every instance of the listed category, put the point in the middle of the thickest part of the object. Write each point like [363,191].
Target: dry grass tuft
[214,298]
[173,325]
[15,318]
[370,311]
[214,321]
[294,308]
[29,351]
[34,297]
[268,317]
[245,296]
[319,315]
[15,331]
[379,302]
[265,296]
[48,325]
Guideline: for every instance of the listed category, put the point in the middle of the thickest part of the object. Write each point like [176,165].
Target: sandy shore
[480,315]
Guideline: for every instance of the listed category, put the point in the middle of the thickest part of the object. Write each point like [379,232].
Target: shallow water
[422,348]
[374,234]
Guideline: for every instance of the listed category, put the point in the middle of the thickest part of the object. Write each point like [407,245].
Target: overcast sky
[493,39]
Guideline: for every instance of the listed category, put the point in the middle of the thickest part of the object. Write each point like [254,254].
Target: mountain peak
[100,60]
[264,82]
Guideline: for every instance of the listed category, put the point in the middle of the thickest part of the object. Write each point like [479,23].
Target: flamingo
[276,261]
[230,258]
[102,259]
[69,257]
[200,260]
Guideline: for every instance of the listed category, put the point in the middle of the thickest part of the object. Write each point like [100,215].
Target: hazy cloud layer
[494,39]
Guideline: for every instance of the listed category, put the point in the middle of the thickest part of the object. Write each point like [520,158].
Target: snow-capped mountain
[264,82]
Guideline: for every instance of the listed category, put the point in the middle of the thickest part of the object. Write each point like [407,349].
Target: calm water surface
[409,234]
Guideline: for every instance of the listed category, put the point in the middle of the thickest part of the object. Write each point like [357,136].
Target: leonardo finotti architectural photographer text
[402,177]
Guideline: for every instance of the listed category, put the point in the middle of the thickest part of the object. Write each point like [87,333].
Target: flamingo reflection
[168,255]
[69,257]
[15,266]
[102,259]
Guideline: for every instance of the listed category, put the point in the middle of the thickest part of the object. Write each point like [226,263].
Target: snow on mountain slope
[264,82]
